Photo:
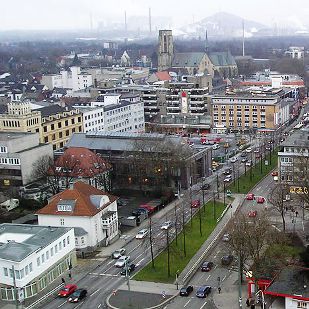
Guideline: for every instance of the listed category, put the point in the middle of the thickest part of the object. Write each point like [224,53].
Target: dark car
[203,291]
[207,266]
[243,154]
[205,186]
[186,290]
[227,172]
[131,268]
[227,259]
[78,295]
[139,211]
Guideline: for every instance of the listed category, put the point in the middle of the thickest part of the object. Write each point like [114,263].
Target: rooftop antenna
[243,38]
[150,30]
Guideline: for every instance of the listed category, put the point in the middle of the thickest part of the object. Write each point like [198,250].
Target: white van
[10,204]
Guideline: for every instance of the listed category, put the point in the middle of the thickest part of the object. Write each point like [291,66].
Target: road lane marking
[204,305]
[139,262]
[185,305]
[103,274]
[96,291]
[208,277]
[62,304]
[99,306]
[79,305]
[224,278]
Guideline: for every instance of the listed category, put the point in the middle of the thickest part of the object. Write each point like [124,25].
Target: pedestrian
[70,276]
[286,208]
[248,302]
[63,280]
[296,213]
[219,290]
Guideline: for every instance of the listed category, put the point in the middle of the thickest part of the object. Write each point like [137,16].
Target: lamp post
[214,205]
[184,230]
[223,194]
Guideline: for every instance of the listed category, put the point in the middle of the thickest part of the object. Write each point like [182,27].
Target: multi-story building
[18,152]
[114,113]
[74,79]
[92,213]
[293,156]
[32,257]
[253,109]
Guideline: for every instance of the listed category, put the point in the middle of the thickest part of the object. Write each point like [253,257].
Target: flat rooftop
[17,241]
[7,136]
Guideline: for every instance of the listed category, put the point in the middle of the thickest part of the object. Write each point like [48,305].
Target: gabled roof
[84,206]
[187,59]
[222,59]
[51,110]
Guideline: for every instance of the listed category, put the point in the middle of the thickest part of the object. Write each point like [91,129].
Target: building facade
[34,256]
[18,153]
[92,213]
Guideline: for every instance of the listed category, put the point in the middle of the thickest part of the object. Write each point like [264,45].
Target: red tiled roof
[83,162]
[163,75]
[80,193]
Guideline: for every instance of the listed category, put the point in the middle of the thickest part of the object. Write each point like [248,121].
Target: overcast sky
[75,14]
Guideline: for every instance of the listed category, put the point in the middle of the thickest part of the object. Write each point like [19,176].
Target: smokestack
[150,21]
[243,38]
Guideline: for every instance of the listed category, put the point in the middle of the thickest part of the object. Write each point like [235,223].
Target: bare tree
[277,198]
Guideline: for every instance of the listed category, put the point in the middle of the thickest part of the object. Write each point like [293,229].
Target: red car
[260,200]
[252,213]
[274,173]
[67,290]
[195,204]
[250,197]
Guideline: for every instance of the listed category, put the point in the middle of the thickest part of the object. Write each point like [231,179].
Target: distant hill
[221,24]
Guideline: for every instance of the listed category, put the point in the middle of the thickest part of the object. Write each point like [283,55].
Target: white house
[92,213]
[35,256]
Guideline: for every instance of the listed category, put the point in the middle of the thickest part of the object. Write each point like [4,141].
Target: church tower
[166,49]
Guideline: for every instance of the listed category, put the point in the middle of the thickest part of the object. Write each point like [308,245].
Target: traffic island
[142,295]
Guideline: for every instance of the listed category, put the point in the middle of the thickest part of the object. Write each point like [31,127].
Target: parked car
[205,186]
[226,237]
[243,154]
[118,253]
[260,200]
[207,266]
[195,204]
[141,234]
[227,172]
[122,261]
[256,150]
[203,291]
[131,268]
[252,213]
[249,149]
[166,225]
[186,290]
[250,197]
[140,211]
[78,295]
[215,146]
[244,160]
[67,290]
[227,259]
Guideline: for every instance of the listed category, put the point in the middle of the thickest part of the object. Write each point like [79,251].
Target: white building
[92,213]
[114,113]
[35,256]
[74,79]
[295,52]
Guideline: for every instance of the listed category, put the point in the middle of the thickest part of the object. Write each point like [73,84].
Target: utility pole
[217,185]
[151,244]
[214,206]
[191,209]
[223,194]
[239,283]
[168,253]
[15,288]
[184,230]
[127,275]
[176,223]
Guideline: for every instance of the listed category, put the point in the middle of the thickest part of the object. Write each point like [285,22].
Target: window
[27,269]
[60,134]
[43,258]
[17,274]
[60,246]
[301,304]
[46,139]
[64,243]
[30,268]
[61,221]
[51,251]
[6,273]
[45,128]
[83,240]
[68,240]
[38,261]
[52,126]
[47,255]
[56,248]
[59,125]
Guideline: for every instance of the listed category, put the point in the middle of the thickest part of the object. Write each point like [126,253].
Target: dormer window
[66,205]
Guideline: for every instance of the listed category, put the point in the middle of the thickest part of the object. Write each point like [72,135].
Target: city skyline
[79,14]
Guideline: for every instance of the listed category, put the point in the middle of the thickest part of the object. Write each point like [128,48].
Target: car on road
[203,291]
[274,173]
[67,290]
[195,204]
[228,178]
[252,213]
[226,237]
[215,146]
[207,266]
[118,253]
[139,211]
[260,200]
[186,290]
[141,234]
[205,186]
[250,197]
[130,268]
[227,259]
[244,160]
[166,225]
[78,295]
[267,148]
[121,262]
[227,172]
[249,163]
[233,160]
[256,150]
[249,149]
[243,154]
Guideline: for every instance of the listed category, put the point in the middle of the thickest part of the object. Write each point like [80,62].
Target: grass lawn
[194,240]
[246,183]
